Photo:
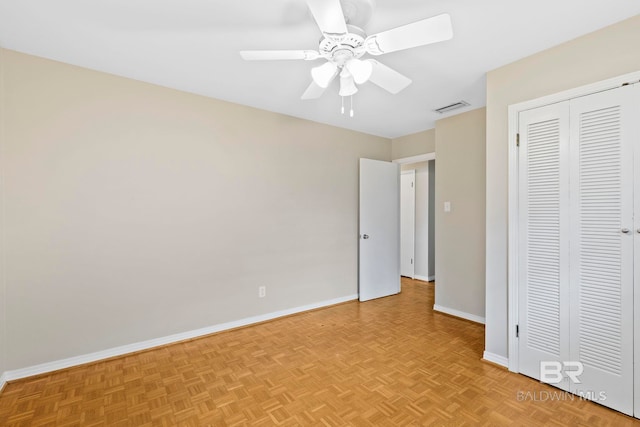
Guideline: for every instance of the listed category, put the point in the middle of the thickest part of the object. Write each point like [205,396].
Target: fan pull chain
[342,107]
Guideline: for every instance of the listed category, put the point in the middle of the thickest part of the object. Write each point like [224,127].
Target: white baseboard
[431,278]
[494,358]
[425,278]
[145,345]
[458,313]
[3,381]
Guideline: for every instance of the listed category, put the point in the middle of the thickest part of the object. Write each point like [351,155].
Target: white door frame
[513,213]
[416,159]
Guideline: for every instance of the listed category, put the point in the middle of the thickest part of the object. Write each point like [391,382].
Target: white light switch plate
[447,206]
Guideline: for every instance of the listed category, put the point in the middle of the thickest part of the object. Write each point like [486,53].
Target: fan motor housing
[349,46]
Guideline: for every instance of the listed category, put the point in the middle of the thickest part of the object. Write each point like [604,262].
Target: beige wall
[460,234]
[414,166]
[135,211]
[414,144]
[607,53]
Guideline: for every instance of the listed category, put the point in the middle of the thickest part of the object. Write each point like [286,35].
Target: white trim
[425,278]
[3,381]
[431,278]
[512,220]
[512,242]
[458,313]
[494,358]
[415,159]
[145,345]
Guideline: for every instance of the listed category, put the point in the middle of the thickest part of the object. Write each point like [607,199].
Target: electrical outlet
[262,291]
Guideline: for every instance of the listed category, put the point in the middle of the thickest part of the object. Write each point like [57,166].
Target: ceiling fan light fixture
[360,70]
[324,74]
[344,43]
[347,84]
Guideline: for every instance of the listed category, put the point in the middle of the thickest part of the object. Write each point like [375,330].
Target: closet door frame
[513,196]
[636,261]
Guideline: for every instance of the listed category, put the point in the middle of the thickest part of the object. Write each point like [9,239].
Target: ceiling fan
[342,46]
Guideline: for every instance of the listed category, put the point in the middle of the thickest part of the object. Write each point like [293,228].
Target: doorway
[407,223]
[422,224]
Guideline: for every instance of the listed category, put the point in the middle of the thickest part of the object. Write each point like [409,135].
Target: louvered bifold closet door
[543,179]
[602,246]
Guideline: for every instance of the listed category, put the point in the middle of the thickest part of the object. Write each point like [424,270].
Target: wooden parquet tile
[388,362]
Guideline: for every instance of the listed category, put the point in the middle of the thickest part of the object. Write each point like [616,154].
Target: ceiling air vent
[448,108]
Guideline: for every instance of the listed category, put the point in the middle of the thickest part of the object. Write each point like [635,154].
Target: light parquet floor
[388,362]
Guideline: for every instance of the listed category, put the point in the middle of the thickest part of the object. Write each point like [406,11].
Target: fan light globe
[360,70]
[347,84]
[324,74]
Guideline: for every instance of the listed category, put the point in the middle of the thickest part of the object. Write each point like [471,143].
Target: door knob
[625,230]
[365,236]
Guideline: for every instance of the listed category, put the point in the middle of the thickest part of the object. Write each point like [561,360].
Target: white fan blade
[427,31]
[387,78]
[268,55]
[329,16]
[313,91]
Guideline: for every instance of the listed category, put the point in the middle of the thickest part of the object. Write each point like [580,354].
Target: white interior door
[544,246]
[379,254]
[407,223]
[601,239]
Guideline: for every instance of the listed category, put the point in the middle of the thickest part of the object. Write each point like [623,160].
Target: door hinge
[517,140]
[412,261]
[517,331]
[412,185]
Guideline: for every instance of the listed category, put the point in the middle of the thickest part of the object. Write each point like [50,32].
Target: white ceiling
[192,45]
